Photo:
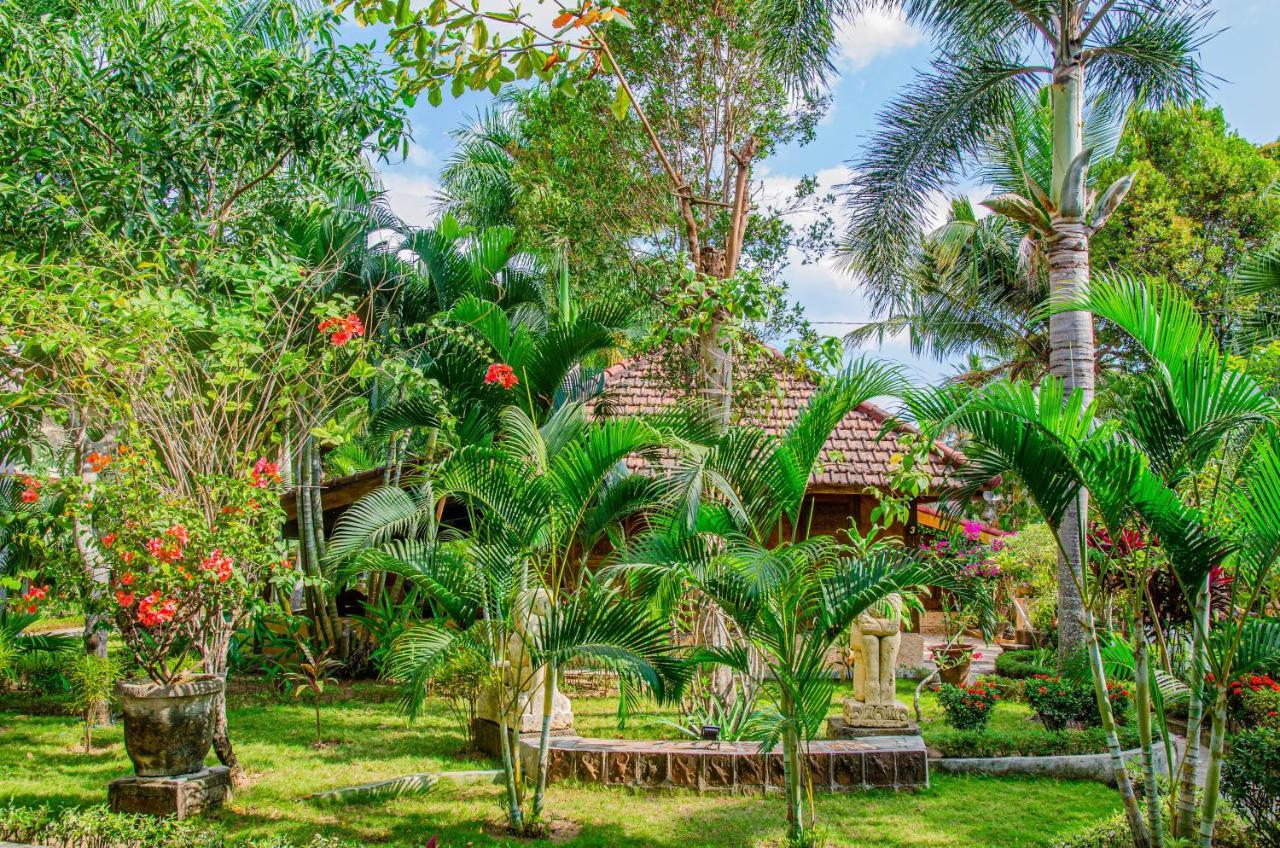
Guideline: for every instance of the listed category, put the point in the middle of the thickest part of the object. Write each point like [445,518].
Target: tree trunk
[1142,706]
[342,642]
[1132,811]
[214,661]
[95,566]
[1184,821]
[544,739]
[1071,348]
[1213,775]
[793,773]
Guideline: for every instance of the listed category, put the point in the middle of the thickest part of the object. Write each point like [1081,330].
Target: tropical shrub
[1029,741]
[1118,694]
[460,682]
[1230,832]
[1055,702]
[1251,779]
[967,707]
[1253,700]
[1020,665]
[92,680]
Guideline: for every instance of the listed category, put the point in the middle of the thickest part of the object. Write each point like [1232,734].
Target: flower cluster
[218,564]
[97,461]
[1253,699]
[155,610]
[264,473]
[501,374]
[30,599]
[968,707]
[30,490]
[342,330]
[972,559]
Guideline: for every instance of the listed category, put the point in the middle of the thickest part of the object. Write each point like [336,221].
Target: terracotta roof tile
[854,457]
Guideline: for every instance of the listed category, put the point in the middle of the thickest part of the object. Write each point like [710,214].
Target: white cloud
[872,34]
[411,196]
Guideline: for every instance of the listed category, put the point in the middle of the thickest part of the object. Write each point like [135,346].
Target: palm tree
[539,499]
[1191,458]
[992,53]
[736,537]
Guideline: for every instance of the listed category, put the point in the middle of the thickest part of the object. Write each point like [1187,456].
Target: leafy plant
[967,707]
[1251,779]
[92,680]
[311,677]
[1054,701]
[1021,665]
[461,681]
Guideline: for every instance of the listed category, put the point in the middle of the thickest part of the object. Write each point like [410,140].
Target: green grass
[40,763]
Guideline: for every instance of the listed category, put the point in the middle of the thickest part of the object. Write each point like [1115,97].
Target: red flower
[126,579]
[127,557]
[219,564]
[342,330]
[501,374]
[180,533]
[109,540]
[153,610]
[124,599]
[30,496]
[264,473]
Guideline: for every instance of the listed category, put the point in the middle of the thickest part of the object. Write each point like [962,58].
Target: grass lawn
[41,763]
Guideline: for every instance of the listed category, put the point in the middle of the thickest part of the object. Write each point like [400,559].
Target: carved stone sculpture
[525,682]
[873,646]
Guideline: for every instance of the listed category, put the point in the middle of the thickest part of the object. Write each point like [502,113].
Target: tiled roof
[854,458]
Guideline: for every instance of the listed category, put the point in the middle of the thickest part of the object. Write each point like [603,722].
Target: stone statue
[522,681]
[873,646]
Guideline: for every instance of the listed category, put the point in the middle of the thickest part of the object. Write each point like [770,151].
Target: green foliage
[1251,779]
[1202,198]
[244,115]
[1230,832]
[461,680]
[92,681]
[1055,702]
[1030,740]
[77,826]
[1020,665]
[967,707]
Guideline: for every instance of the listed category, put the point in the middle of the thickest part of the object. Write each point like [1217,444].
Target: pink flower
[972,530]
[265,473]
[179,533]
[977,655]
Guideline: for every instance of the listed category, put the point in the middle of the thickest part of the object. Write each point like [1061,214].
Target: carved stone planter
[168,730]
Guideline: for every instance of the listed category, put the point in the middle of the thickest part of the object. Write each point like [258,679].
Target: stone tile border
[883,762]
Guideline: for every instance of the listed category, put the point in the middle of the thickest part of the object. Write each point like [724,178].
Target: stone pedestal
[891,715]
[180,797]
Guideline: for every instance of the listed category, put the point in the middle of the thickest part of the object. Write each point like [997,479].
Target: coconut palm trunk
[1071,345]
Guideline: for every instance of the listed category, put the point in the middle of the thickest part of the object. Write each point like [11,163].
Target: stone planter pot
[958,659]
[168,730]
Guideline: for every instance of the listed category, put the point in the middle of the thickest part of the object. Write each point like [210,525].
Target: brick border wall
[834,766]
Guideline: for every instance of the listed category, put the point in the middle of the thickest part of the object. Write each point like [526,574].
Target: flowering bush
[1253,700]
[178,577]
[969,560]
[1055,703]
[967,707]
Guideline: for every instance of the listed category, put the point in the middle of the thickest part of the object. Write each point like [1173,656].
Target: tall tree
[991,53]
[710,96]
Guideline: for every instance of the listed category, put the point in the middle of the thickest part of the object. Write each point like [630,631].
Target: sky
[878,54]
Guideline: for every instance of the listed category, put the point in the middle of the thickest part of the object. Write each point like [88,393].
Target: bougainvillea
[178,575]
